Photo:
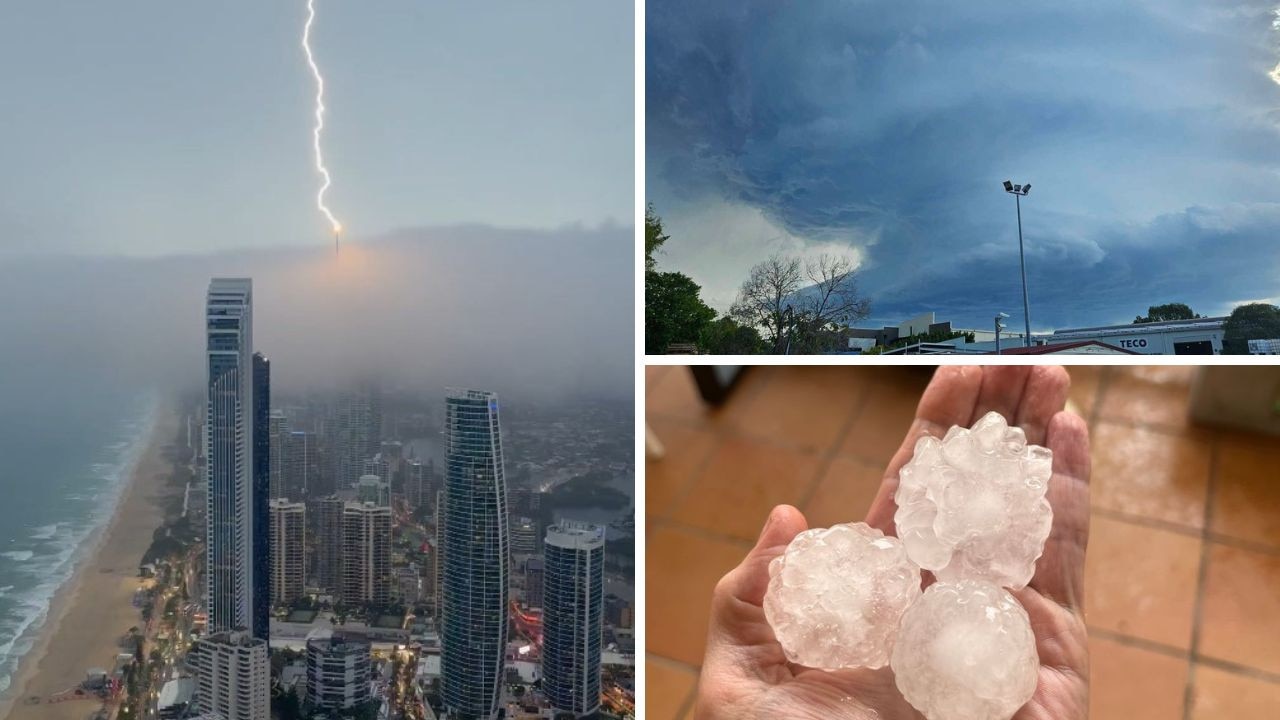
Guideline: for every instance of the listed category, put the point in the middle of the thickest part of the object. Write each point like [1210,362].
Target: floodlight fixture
[1018,191]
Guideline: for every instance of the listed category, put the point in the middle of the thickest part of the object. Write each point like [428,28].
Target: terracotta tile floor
[1183,569]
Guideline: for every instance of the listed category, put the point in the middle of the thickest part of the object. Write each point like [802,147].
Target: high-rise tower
[356,434]
[230,450]
[475,557]
[572,613]
[288,550]
[233,675]
[278,434]
[366,553]
[261,581]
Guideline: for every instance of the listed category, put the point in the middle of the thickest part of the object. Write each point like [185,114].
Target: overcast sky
[1149,130]
[148,128]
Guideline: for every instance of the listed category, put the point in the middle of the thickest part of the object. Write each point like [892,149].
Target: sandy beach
[91,612]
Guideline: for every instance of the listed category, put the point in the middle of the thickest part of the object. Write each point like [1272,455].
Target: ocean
[66,448]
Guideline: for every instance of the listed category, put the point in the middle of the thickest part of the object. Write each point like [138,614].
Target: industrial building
[1200,336]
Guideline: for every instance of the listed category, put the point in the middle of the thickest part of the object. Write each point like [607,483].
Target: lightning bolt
[315,133]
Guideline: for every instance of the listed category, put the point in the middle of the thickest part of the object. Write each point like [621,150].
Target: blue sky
[149,128]
[1149,130]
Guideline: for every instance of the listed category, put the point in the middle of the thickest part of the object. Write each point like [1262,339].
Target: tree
[726,336]
[653,237]
[673,312]
[1165,313]
[1254,321]
[801,306]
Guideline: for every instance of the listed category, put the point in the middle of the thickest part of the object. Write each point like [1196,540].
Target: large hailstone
[972,505]
[836,595]
[965,651]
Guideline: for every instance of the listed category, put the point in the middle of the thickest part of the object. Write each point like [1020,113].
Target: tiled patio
[1183,569]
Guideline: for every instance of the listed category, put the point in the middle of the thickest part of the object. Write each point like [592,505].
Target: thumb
[739,596]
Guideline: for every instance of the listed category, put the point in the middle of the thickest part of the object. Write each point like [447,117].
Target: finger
[1060,570]
[1045,395]
[949,400]
[748,581]
[738,628]
[1002,391]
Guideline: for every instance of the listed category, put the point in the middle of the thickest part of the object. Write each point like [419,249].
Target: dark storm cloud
[531,314]
[1149,131]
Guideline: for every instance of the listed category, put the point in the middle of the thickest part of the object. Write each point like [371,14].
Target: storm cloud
[1149,130]
[537,315]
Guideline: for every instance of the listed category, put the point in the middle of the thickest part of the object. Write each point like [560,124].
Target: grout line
[691,479]
[686,707]
[719,433]
[657,380]
[691,698]
[1239,544]
[1148,522]
[731,429]
[1202,574]
[1140,643]
[672,663]
[1179,654]
[703,533]
[1238,669]
[1095,410]
[833,451]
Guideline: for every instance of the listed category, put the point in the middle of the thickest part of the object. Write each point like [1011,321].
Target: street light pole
[1018,191]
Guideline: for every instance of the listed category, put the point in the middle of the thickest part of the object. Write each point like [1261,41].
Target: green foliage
[673,312]
[286,706]
[726,336]
[589,490]
[1254,321]
[929,337]
[654,237]
[1165,313]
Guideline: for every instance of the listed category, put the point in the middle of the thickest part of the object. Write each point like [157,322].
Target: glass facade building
[572,616]
[261,496]
[229,457]
[474,557]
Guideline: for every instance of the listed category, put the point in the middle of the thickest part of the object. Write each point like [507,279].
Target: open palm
[745,673]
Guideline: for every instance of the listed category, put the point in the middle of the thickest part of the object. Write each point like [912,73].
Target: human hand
[745,673]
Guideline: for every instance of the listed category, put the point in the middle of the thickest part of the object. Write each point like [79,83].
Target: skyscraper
[261,581]
[230,450]
[288,550]
[299,466]
[366,553]
[378,467]
[475,557]
[524,537]
[572,615]
[233,676]
[328,547]
[278,434]
[356,435]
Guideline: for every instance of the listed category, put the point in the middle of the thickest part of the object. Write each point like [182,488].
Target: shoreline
[93,607]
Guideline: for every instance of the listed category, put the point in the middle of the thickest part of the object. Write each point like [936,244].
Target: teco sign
[1140,343]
